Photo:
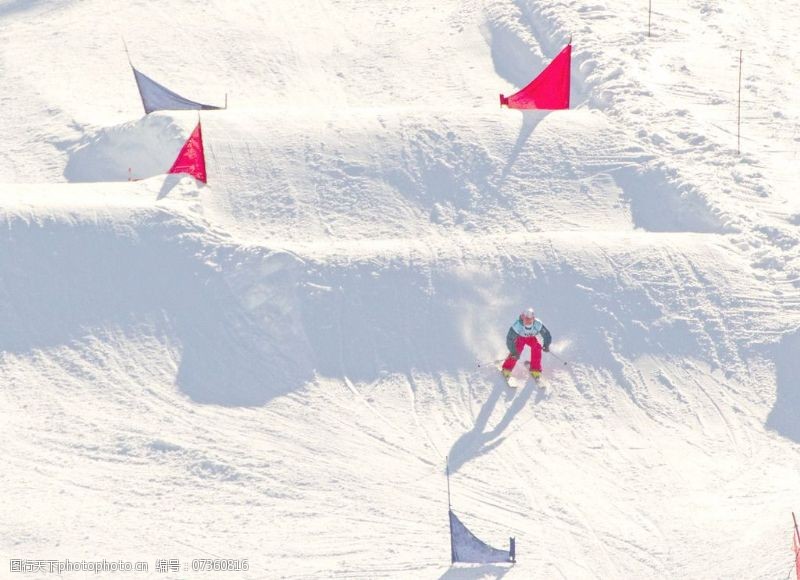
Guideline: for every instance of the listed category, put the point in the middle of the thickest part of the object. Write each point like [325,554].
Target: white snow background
[275,366]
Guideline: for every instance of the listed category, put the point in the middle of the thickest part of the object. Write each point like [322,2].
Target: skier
[525,331]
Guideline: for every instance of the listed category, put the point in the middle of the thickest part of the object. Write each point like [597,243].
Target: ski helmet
[527,316]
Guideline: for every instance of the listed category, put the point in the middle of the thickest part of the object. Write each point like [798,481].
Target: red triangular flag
[550,90]
[192,159]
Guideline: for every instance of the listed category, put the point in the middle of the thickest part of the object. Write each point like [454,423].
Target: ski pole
[557,357]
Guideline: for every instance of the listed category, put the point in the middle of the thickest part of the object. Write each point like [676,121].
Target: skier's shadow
[478,441]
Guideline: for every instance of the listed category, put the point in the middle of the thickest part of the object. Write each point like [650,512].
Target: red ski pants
[536,353]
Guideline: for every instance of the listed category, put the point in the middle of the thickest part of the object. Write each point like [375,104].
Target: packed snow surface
[276,365]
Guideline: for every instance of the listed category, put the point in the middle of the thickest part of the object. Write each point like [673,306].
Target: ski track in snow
[275,367]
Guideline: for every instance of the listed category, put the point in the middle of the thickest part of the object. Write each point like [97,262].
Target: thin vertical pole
[125,44]
[796,546]
[649,12]
[447,470]
[739,113]
[450,513]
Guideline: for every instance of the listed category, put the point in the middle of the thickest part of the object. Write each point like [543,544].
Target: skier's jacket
[537,329]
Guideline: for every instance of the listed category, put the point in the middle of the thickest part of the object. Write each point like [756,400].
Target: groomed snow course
[275,366]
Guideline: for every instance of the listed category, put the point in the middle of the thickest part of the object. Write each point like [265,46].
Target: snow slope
[276,365]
